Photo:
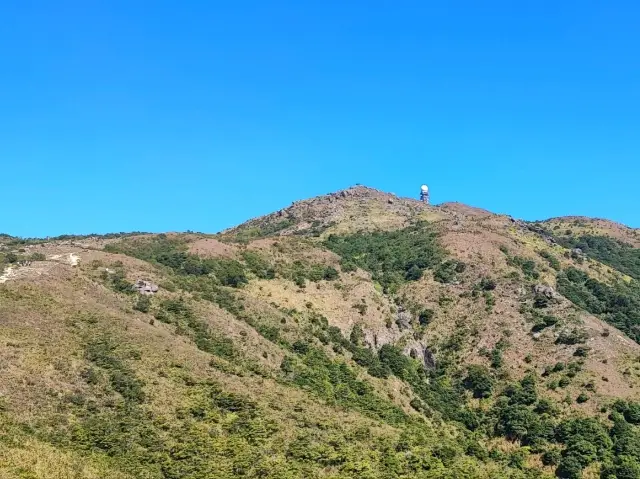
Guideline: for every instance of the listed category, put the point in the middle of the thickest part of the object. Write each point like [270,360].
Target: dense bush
[488,284]
[479,381]
[337,383]
[618,305]
[447,271]
[142,304]
[573,336]
[543,322]
[391,256]
[401,366]
[178,312]
[172,254]
[618,255]
[425,316]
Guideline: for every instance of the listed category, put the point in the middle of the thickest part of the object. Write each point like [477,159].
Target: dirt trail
[7,274]
[38,268]
[69,258]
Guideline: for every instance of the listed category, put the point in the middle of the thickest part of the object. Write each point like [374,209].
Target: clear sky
[120,115]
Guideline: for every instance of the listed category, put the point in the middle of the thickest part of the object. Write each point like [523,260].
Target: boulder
[544,290]
[145,287]
[403,318]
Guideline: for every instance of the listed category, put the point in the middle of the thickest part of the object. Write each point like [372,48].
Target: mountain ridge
[342,336]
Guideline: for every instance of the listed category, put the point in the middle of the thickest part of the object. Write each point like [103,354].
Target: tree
[623,467]
[582,398]
[413,274]
[569,468]
[425,316]
[479,381]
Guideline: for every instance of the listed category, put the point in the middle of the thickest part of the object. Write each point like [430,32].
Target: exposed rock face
[403,318]
[419,351]
[546,291]
[145,287]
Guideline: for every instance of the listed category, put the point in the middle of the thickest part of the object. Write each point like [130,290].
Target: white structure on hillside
[424,194]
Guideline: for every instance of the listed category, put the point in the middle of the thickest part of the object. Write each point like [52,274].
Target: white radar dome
[424,188]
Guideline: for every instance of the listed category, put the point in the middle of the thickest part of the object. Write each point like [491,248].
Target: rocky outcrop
[145,287]
[419,351]
[403,318]
[544,290]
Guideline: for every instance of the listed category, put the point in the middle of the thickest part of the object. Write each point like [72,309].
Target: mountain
[352,335]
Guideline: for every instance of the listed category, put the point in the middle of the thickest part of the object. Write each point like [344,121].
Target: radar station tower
[424,194]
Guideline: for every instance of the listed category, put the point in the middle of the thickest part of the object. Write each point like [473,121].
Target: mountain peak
[355,208]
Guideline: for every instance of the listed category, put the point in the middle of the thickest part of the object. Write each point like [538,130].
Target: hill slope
[352,335]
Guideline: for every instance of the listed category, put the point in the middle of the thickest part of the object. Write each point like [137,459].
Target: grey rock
[403,319]
[419,351]
[545,290]
[145,287]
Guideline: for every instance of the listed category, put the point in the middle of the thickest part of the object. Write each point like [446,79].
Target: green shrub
[618,305]
[551,457]
[543,322]
[488,284]
[617,254]
[551,259]
[582,351]
[447,272]
[426,316]
[582,398]
[401,366]
[143,304]
[527,266]
[575,336]
[391,256]
[479,381]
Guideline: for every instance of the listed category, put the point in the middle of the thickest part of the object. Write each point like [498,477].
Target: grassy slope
[218,402]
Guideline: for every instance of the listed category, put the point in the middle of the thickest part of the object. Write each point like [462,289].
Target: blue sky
[162,116]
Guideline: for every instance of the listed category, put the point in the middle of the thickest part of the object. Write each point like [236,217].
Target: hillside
[352,335]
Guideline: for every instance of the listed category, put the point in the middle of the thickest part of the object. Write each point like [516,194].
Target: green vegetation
[304,400]
[543,321]
[479,381]
[527,266]
[178,312]
[619,305]
[117,280]
[551,259]
[336,383]
[172,254]
[247,233]
[391,256]
[101,351]
[621,256]
[448,271]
